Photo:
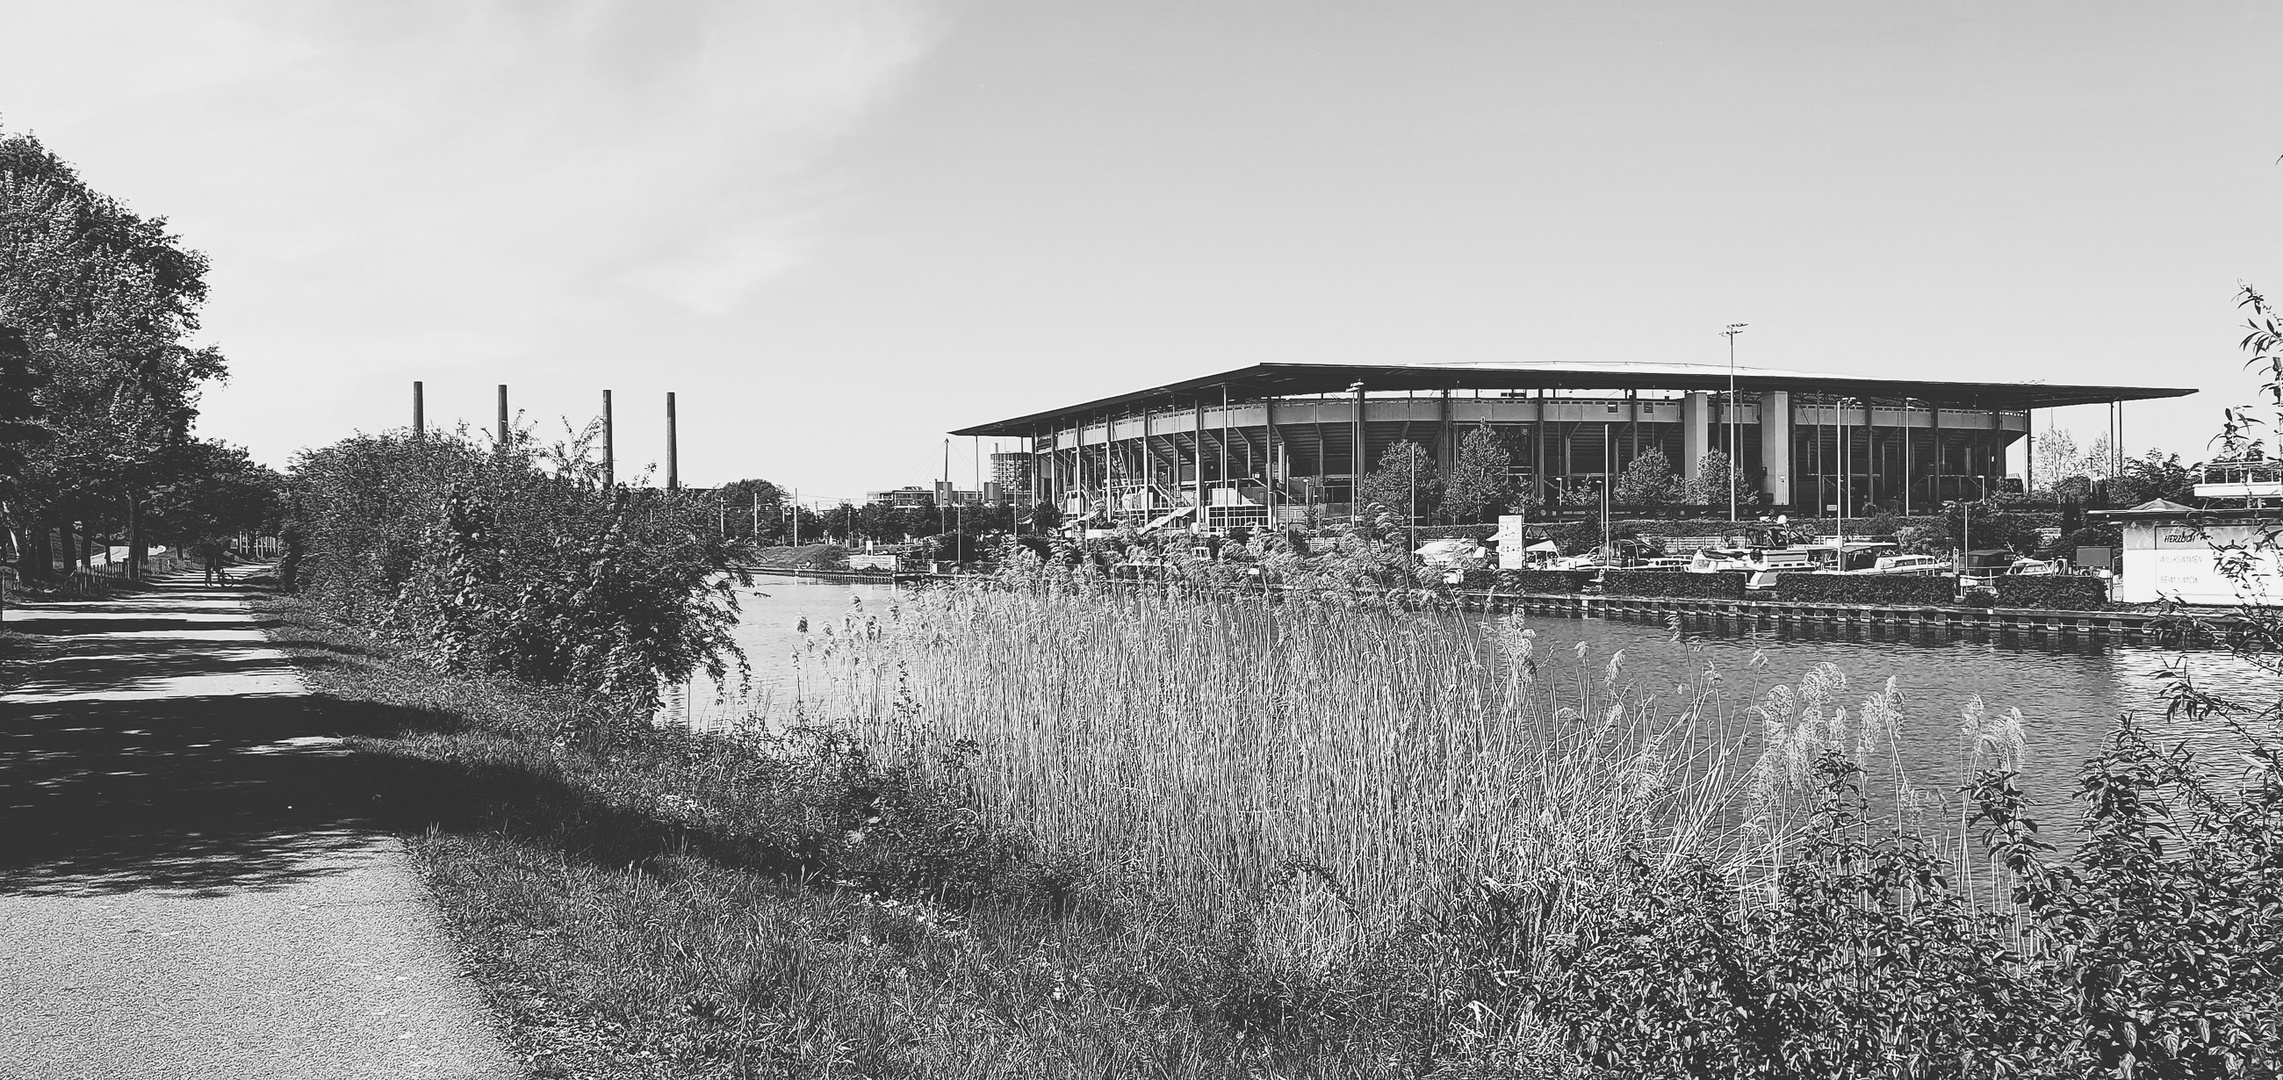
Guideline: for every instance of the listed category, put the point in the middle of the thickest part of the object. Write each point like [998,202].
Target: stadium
[1283,443]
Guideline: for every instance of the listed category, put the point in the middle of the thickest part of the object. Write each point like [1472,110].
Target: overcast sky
[840,229]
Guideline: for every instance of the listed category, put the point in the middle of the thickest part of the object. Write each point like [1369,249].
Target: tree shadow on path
[205,795]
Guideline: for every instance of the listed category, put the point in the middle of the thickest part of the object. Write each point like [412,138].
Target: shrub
[1864,957]
[494,560]
[2150,952]
[2053,592]
[1543,581]
[1865,589]
[1456,532]
[1722,585]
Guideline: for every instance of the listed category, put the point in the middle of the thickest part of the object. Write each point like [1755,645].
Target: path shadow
[205,795]
[65,626]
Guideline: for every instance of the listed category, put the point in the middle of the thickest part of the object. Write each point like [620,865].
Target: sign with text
[1510,542]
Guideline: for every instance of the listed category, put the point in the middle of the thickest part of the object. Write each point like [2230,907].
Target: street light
[1734,455]
[1846,475]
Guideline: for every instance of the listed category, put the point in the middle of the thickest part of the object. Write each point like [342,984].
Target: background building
[1282,441]
[915,496]
[1011,473]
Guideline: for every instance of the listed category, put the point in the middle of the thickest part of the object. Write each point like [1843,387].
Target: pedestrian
[213,551]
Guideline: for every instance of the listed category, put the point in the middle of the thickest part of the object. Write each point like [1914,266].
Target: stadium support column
[1149,464]
[1197,440]
[1356,468]
[1538,449]
[1268,471]
[1776,445]
[1934,496]
[1908,425]
[1448,452]
[1221,479]
[1696,433]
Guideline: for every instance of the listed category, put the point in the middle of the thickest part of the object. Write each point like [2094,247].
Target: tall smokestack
[609,446]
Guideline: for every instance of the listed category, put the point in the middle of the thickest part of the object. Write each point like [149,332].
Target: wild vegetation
[514,559]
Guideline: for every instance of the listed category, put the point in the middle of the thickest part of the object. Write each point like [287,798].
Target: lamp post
[1735,455]
[1846,478]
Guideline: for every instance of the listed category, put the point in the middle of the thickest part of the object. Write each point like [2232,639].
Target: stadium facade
[1283,442]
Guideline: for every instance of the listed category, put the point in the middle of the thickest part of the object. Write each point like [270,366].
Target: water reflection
[2069,690]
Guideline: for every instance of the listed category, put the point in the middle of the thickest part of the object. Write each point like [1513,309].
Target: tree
[2056,461]
[2153,475]
[878,521]
[208,490]
[1406,482]
[105,299]
[19,413]
[740,497]
[2099,462]
[1482,481]
[1648,480]
[1713,481]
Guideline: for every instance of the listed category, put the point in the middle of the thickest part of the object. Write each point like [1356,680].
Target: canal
[2069,691]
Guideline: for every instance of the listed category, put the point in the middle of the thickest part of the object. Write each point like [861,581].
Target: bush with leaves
[1865,963]
[518,562]
[2163,934]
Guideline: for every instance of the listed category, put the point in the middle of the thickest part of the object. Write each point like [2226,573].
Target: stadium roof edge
[1281,380]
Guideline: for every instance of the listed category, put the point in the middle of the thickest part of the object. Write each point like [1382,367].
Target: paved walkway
[191,884]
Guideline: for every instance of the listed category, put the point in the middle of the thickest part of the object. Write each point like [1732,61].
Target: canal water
[2069,692]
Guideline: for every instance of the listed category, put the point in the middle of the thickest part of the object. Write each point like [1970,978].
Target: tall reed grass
[1322,770]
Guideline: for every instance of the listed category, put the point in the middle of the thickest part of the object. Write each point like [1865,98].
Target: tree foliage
[1405,484]
[1714,480]
[105,300]
[2154,475]
[1648,480]
[1482,480]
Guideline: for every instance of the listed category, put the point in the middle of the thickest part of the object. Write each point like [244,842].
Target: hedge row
[2058,592]
[1456,532]
[1544,581]
[1903,589]
[1723,585]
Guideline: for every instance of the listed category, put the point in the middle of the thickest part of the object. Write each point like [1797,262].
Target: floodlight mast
[1735,453]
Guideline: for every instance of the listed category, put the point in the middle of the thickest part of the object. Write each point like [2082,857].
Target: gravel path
[191,884]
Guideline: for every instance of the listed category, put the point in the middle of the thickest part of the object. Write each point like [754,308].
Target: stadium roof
[1288,380]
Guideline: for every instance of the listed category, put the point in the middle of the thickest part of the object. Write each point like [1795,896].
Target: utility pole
[673,448]
[419,413]
[609,446]
[1735,453]
[503,418]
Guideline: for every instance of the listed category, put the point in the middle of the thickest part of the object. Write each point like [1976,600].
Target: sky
[837,230]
